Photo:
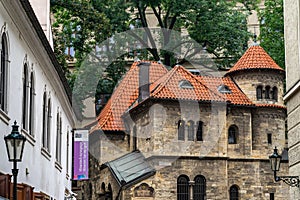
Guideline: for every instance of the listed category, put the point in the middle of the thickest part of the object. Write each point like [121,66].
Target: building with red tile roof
[214,132]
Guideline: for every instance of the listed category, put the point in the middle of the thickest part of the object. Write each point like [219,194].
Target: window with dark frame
[48,124]
[232,134]
[199,188]
[31,104]
[44,126]
[234,192]
[267,92]
[58,137]
[259,92]
[183,191]
[181,127]
[3,72]
[191,130]
[25,100]
[199,134]
[275,93]
[272,197]
[269,138]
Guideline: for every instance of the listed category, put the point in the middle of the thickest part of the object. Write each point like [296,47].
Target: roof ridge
[160,85]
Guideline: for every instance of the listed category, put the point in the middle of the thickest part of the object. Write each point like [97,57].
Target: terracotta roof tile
[270,106]
[255,58]
[235,96]
[168,87]
[124,96]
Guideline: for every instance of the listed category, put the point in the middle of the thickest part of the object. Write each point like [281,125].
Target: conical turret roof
[254,58]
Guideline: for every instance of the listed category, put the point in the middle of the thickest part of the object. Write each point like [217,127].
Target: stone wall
[254,178]
[248,81]
[268,121]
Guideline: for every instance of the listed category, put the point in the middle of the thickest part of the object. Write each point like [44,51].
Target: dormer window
[224,89]
[185,84]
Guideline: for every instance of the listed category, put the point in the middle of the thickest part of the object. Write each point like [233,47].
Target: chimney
[144,91]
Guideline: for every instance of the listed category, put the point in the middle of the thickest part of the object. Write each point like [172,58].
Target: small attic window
[185,84]
[224,89]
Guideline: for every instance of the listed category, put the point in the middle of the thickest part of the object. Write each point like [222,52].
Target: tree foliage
[272,30]
[218,25]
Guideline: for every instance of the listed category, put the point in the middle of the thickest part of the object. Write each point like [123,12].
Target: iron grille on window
[199,188]
[183,188]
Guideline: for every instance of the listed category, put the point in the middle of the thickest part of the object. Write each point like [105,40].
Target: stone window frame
[259,92]
[233,132]
[267,92]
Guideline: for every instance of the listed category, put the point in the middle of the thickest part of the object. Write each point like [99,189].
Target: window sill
[58,166]
[45,153]
[4,117]
[29,137]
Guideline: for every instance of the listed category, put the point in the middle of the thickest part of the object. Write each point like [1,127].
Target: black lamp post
[275,159]
[15,146]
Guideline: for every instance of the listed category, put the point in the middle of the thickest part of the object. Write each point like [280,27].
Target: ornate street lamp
[275,159]
[15,146]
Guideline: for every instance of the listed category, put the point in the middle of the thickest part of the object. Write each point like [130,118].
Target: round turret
[259,77]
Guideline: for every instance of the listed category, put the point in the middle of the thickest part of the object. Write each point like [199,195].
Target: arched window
[31,104]
[199,134]
[183,187]
[191,130]
[232,134]
[109,194]
[199,188]
[44,136]
[25,100]
[267,92]
[234,192]
[3,72]
[58,137]
[49,124]
[275,93]
[181,134]
[259,92]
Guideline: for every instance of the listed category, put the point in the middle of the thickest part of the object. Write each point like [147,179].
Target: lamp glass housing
[15,144]
[275,160]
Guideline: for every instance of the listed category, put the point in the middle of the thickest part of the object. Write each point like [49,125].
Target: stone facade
[244,164]
[292,96]
[224,146]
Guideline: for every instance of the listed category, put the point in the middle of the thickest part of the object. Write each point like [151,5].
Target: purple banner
[81,155]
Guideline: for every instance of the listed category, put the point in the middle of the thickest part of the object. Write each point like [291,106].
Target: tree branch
[158,17]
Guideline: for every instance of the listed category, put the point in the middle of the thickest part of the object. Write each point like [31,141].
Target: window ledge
[45,153]
[58,166]
[4,117]
[29,137]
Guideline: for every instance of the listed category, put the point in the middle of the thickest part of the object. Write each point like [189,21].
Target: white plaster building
[34,92]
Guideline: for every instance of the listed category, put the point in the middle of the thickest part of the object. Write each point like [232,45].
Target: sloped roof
[235,96]
[165,85]
[130,168]
[254,58]
[168,87]
[123,97]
